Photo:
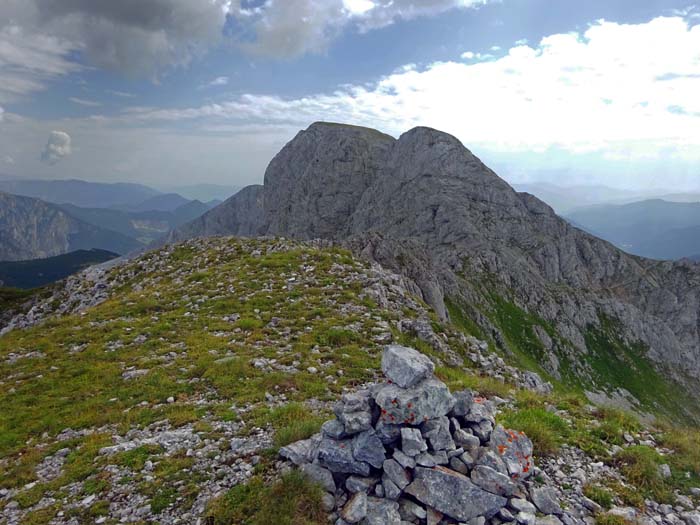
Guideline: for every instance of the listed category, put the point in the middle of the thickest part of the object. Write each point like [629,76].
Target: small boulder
[320,475]
[405,366]
[382,512]
[412,442]
[355,509]
[337,456]
[367,447]
[545,499]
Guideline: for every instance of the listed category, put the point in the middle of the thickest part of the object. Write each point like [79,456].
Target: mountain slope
[160,390]
[653,228]
[31,229]
[39,272]
[557,298]
[79,192]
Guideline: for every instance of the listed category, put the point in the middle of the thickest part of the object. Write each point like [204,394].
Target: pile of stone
[409,451]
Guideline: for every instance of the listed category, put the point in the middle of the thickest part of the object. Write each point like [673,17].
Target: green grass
[546,430]
[619,364]
[292,422]
[293,500]
[640,465]
[611,519]
[601,495]
[191,353]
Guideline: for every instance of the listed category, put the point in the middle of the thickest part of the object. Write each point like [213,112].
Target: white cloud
[9,160]
[57,147]
[627,90]
[468,55]
[85,102]
[217,82]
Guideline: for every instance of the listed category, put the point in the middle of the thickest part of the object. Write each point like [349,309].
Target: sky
[168,92]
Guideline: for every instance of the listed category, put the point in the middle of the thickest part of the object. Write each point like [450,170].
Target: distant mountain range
[39,272]
[204,192]
[44,218]
[79,192]
[652,228]
[31,228]
[567,199]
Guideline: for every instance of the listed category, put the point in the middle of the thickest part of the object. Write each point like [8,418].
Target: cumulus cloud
[623,89]
[57,147]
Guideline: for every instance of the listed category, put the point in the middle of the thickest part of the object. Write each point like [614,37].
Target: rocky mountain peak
[427,207]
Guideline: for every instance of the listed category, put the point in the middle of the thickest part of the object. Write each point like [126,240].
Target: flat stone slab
[453,494]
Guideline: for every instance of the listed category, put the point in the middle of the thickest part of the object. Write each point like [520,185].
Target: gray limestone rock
[426,400]
[492,481]
[453,494]
[515,450]
[545,499]
[412,442]
[337,456]
[367,447]
[396,473]
[360,484]
[382,512]
[320,475]
[405,366]
[355,509]
[437,432]
[463,403]
[425,206]
[302,452]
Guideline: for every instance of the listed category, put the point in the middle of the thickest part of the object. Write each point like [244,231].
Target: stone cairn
[408,451]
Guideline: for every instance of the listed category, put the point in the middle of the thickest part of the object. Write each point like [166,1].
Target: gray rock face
[428,198]
[240,215]
[314,184]
[405,366]
[453,494]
